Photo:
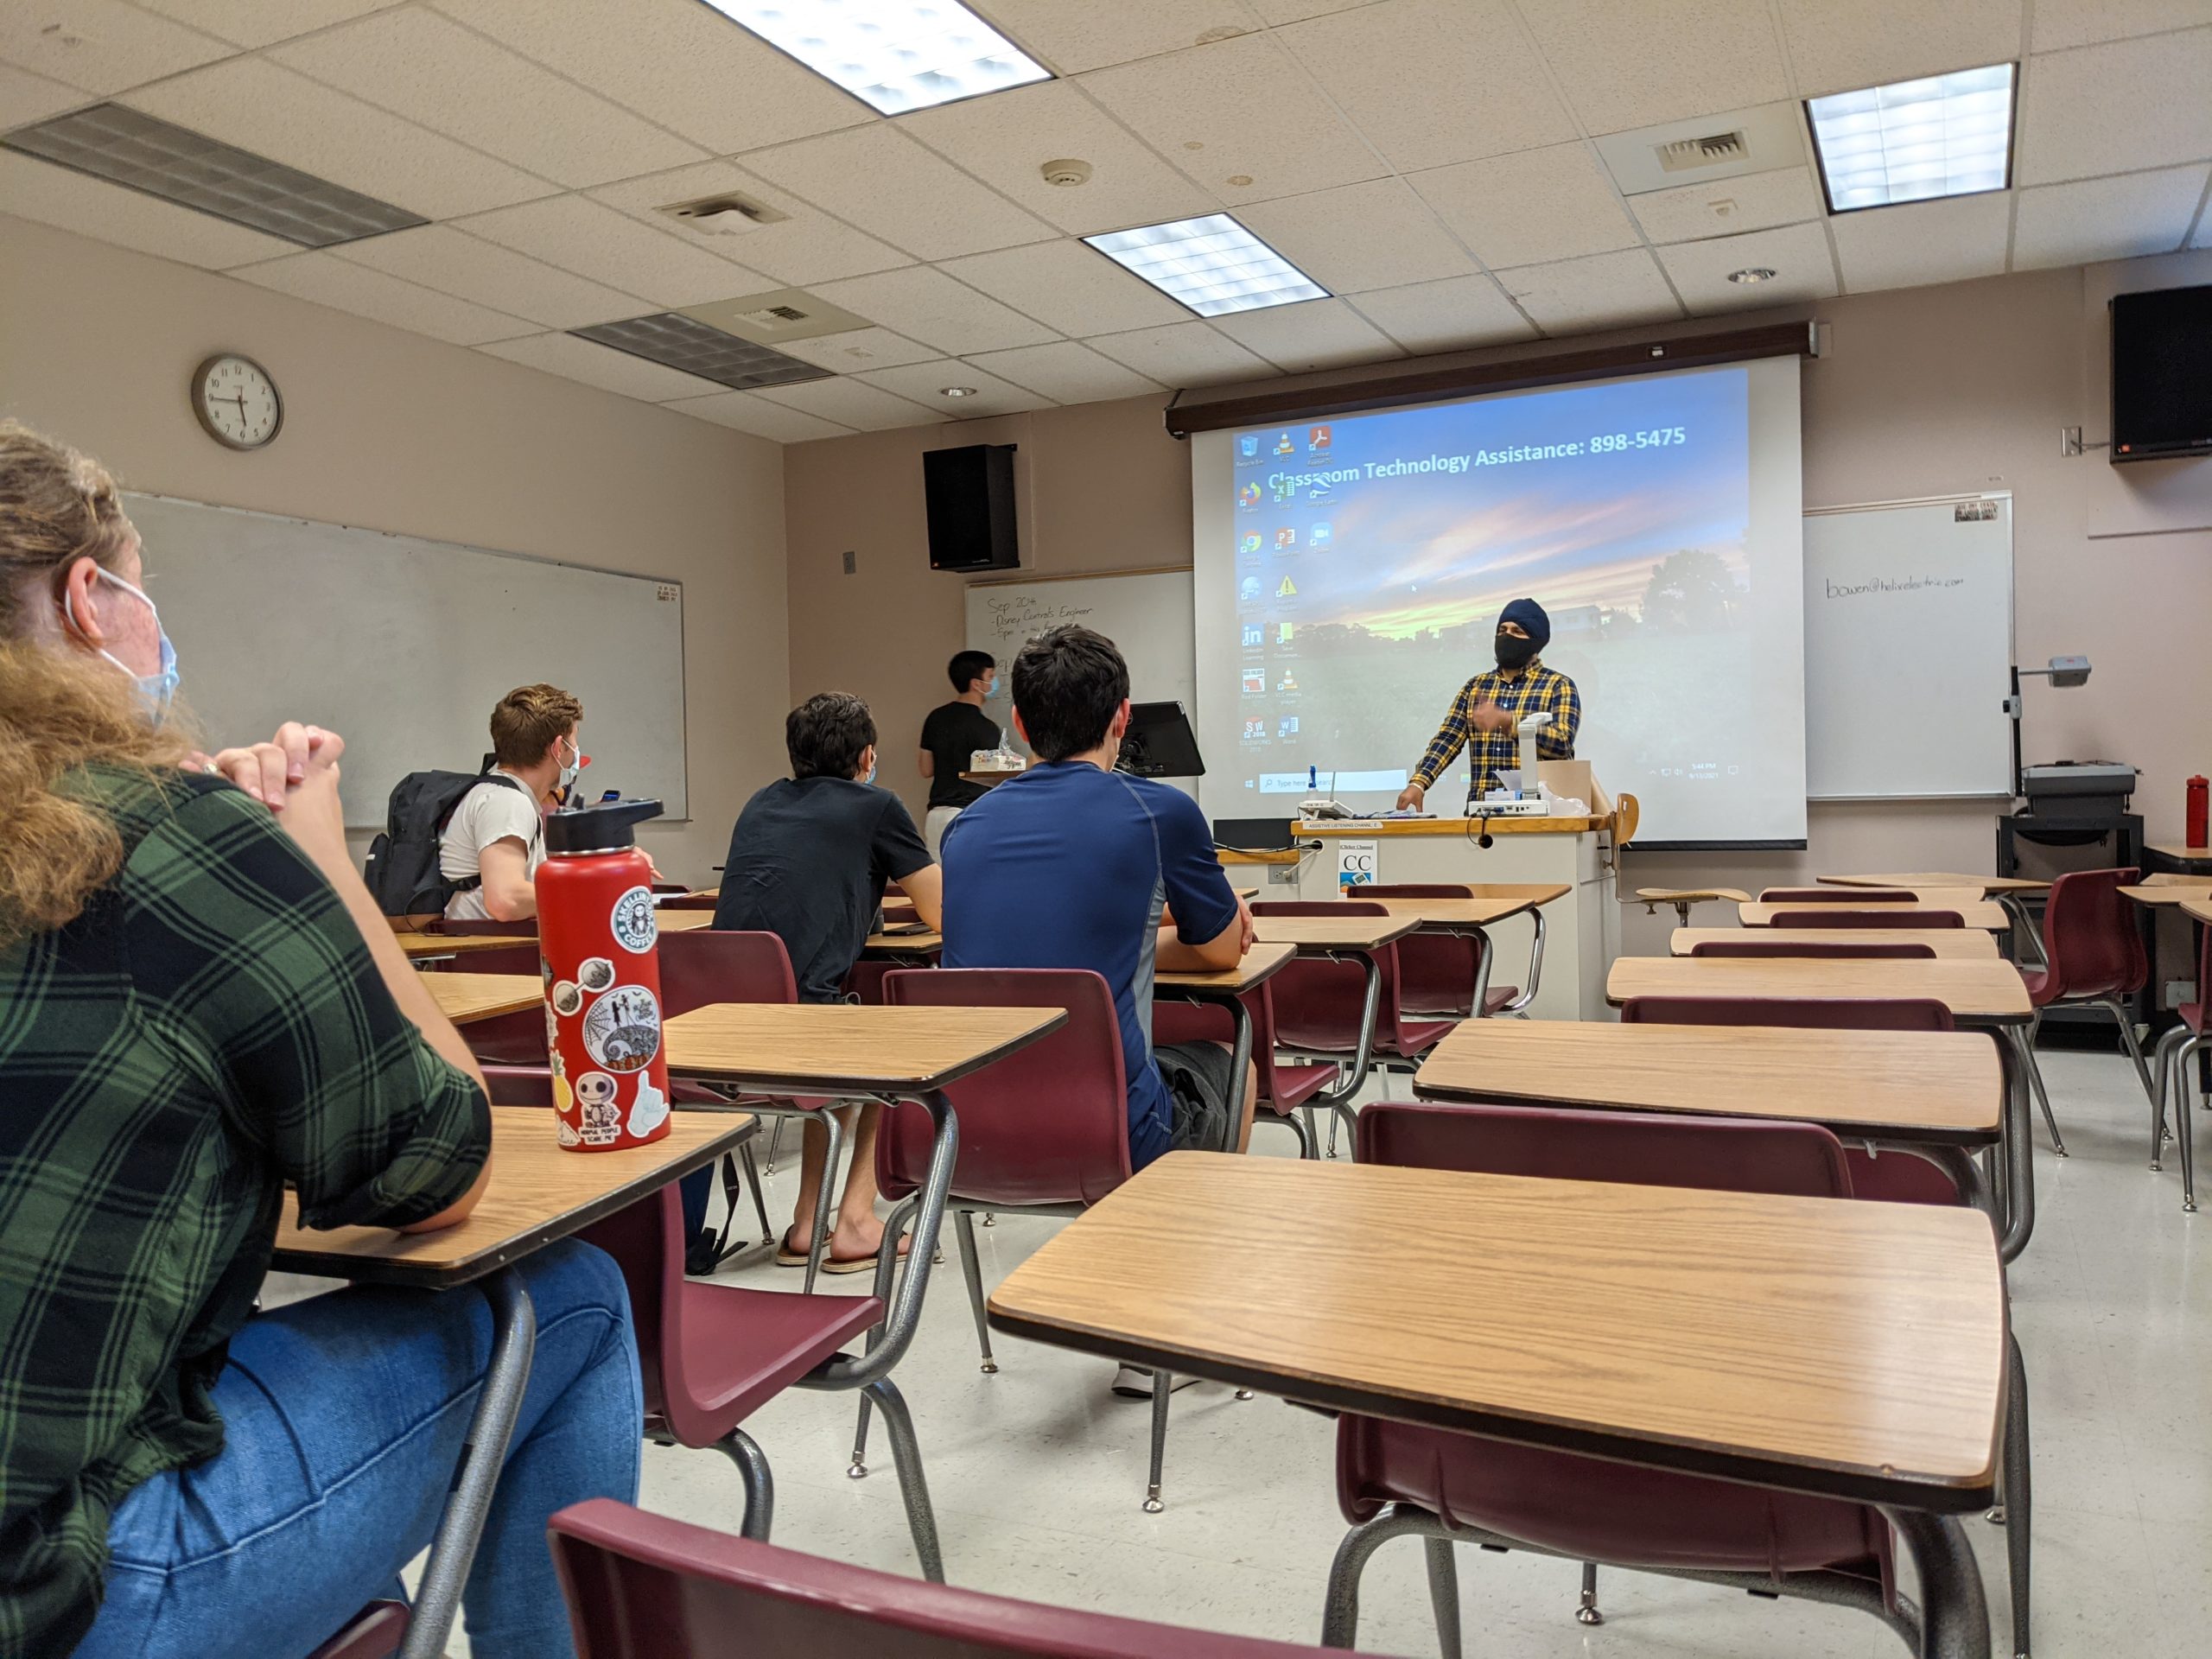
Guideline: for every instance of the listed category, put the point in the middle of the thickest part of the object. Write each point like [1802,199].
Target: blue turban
[1530,615]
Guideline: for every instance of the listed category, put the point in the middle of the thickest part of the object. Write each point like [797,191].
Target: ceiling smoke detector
[1751,274]
[955,391]
[1067,173]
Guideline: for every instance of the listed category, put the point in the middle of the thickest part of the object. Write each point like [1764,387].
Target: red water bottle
[2198,789]
[599,938]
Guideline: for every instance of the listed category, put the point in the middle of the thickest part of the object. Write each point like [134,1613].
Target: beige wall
[1925,391]
[394,431]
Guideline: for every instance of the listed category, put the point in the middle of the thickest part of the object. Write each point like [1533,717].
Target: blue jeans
[343,1419]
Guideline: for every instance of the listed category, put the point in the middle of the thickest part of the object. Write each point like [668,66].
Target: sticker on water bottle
[567,999]
[622,1030]
[634,925]
[601,1117]
[650,1108]
[595,975]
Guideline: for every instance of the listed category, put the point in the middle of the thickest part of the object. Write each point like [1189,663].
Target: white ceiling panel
[2106,219]
[805,246]
[1006,139]
[857,349]
[1378,234]
[431,70]
[925,304]
[594,240]
[1752,201]
[1532,207]
[855,404]
[1072,37]
[678,62]
[1450,315]
[599,365]
[1603,291]
[262,22]
[878,178]
[102,46]
[358,290]
[439,257]
[52,195]
[1068,286]
[920,382]
[2116,108]
[1924,242]
[1431,82]
[1242,109]
[25,98]
[1065,373]
[1838,47]
[1292,11]
[268,109]
[745,411]
[2059,23]
[1635,63]
[1797,254]
[1186,354]
[1313,335]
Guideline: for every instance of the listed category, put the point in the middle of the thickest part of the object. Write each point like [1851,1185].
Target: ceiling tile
[1065,373]
[594,240]
[1529,208]
[745,411]
[1074,38]
[805,246]
[1292,11]
[1378,234]
[358,291]
[439,257]
[420,65]
[599,365]
[920,382]
[677,62]
[1006,139]
[2095,219]
[263,107]
[1241,109]
[857,349]
[1750,201]
[1922,242]
[927,305]
[1797,254]
[262,22]
[1312,335]
[1636,65]
[52,195]
[2059,23]
[2116,108]
[878,178]
[1450,315]
[1603,291]
[1431,82]
[1068,286]
[102,46]
[1186,354]
[1837,49]
[855,404]
[25,98]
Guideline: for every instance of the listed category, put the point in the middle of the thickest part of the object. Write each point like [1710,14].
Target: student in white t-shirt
[495,839]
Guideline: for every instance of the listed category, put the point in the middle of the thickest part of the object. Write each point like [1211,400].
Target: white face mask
[157,689]
[572,769]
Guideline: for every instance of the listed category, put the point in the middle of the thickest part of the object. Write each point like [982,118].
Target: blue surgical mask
[871,773]
[997,689]
[157,691]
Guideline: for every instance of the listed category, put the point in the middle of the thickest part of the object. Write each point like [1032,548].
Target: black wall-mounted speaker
[971,496]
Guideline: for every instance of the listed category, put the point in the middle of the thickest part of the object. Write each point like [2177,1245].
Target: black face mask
[1514,653]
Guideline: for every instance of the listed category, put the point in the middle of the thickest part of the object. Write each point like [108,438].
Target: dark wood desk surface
[1987,993]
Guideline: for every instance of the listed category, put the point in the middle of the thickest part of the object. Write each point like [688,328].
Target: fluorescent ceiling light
[1213,265]
[897,54]
[685,343]
[1913,140]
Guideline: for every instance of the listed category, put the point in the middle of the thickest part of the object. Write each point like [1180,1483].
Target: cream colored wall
[1924,391]
[401,433]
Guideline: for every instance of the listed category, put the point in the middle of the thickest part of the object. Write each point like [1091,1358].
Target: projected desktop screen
[1349,573]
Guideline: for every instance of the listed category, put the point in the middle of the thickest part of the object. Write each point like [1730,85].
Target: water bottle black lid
[605,827]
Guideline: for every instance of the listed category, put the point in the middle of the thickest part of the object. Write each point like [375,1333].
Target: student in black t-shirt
[953,732]
[808,862]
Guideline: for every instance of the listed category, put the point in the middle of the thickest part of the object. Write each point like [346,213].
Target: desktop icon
[1255,730]
[1284,486]
[1249,589]
[1249,544]
[1317,439]
[1252,636]
[1318,490]
[1287,727]
[1284,446]
[1288,682]
[1248,445]
[1319,536]
[1255,683]
[1286,536]
[1282,633]
[1249,496]
[1288,590]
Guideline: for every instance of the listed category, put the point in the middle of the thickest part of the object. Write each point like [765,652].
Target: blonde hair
[60,710]
[528,719]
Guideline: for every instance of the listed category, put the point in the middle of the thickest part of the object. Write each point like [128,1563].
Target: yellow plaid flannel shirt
[1534,689]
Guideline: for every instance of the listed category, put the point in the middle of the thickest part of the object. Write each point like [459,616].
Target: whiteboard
[402,645]
[1908,649]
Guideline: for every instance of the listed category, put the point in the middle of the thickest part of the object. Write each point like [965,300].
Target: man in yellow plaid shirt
[1485,717]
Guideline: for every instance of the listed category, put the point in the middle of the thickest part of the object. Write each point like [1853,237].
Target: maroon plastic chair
[1838,896]
[1287,1089]
[641,1587]
[710,1355]
[375,1632]
[2177,1050]
[1437,972]
[1896,951]
[1395,1479]
[1903,916]
[2094,956]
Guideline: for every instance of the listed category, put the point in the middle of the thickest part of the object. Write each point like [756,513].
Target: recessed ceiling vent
[777,317]
[1694,155]
[728,214]
[1705,149]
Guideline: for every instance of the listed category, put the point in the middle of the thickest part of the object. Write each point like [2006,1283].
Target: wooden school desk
[1227,988]
[538,1193]
[2178,858]
[1488,903]
[1967,943]
[1982,887]
[467,998]
[1855,1351]
[1347,938]
[2169,894]
[1984,913]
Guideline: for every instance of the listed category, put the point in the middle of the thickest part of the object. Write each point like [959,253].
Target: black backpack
[402,867]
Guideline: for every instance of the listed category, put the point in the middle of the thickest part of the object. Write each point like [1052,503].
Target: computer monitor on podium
[1159,743]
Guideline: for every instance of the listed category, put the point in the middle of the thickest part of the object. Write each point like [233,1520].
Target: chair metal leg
[2161,1067]
[1301,1126]
[1954,1617]
[759,1485]
[760,1198]
[2184,1127]
[1340,1607]
[2018,1508]
[2113,1006]
[913,1487]
[1332,1133]
[775,1139]
[2042,1096]
[819,1244]
[1586,1612]
[971,1270]
[1444,1594]
[1163,1389]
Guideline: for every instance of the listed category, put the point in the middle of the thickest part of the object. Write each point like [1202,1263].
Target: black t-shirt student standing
[952,733]
[807,862]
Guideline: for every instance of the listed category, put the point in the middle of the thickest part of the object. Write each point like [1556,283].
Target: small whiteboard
[1908,649]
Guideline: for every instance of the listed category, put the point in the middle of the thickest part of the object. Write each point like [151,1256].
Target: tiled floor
[1038,1472]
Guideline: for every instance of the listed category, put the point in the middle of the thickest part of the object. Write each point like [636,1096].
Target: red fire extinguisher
[2198,789]
[599,937]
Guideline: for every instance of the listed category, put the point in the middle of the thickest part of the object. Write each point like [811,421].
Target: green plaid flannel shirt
[1534,689]
[211,1028]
